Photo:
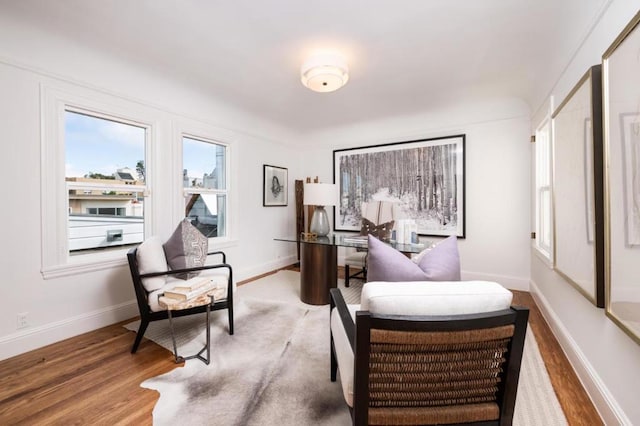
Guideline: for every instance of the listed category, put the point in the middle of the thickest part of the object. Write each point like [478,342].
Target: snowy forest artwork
[425,177]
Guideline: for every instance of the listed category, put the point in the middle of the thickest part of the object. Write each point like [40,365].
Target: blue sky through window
[103,146]
[198,157]
[98,145]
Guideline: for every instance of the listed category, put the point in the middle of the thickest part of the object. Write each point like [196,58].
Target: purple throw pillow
[441,263]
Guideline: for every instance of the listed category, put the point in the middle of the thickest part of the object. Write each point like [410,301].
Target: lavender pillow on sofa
[441,263]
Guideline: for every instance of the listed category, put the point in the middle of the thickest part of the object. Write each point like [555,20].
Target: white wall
[606,359]
[62,307]
[497,178]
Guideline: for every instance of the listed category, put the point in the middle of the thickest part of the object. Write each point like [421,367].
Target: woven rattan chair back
[442,372]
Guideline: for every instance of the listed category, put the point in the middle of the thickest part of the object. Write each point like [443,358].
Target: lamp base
[320,222]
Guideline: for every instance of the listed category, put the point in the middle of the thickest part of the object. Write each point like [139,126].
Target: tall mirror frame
[621,91]
[578,188]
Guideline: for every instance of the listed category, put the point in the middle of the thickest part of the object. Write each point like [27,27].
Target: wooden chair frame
[147,316]
[362,273]
[359,338]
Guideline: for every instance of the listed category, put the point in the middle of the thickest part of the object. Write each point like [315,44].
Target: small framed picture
[274,186]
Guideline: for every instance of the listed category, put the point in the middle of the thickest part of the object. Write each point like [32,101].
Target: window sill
[78,266]
[84,266]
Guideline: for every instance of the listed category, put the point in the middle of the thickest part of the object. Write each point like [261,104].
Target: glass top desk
[319,263]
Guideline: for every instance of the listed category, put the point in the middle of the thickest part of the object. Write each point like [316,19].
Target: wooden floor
[93,379]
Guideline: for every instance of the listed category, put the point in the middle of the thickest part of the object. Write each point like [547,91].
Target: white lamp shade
[320,194]
[324,73]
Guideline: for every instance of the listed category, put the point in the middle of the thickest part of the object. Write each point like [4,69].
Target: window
[543,240]
[205,185]
[105,180]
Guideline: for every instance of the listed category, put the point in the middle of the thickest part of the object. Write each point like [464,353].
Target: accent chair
[415,353]
[149,286]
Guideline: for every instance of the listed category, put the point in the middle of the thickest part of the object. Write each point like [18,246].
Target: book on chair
[193,284]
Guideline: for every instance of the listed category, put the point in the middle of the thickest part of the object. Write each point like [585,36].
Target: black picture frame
[275,186]
[425,176]
[578,193]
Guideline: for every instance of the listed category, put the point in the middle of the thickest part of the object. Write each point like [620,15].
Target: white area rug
[275,369]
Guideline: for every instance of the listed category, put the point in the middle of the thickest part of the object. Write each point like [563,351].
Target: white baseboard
[604,402]
[263,268]
[37,337]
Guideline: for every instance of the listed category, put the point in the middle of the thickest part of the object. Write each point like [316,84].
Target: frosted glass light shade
[324,73]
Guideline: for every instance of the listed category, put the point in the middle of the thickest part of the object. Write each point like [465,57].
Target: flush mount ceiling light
[324,73]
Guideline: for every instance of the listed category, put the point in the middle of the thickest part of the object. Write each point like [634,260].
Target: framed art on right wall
[577,188]
[621,89]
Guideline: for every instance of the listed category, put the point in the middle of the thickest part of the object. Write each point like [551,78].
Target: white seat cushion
[344,354]
[434,297]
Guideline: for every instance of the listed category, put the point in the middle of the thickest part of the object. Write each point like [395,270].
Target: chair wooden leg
[334,362]
[141,331]
[346,275]
[230,319]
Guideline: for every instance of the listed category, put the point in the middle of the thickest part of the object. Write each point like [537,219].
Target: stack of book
[190,289]
[356,239]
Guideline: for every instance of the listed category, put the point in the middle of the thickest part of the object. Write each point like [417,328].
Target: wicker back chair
[410,370]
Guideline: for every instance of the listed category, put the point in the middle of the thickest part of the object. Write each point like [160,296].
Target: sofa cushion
[434,298]
[151,258]
[439,263]
[186,248]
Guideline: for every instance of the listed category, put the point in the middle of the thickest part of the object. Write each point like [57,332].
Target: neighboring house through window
[99,157]
[205,184]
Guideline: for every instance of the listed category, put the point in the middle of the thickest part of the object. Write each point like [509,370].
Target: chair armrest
[194,269]
[337,301]
[224,256]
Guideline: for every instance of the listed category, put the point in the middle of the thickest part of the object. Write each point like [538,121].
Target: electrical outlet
[22,320]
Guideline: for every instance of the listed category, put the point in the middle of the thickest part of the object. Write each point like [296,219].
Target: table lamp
[320,195]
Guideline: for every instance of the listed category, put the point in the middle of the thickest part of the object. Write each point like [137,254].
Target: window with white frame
[105,180]
[205,184]
[544,226]
[94,178]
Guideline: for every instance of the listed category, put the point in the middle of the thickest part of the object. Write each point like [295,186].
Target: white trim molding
[37,337]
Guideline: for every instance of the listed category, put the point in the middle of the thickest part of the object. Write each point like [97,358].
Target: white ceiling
[405,56]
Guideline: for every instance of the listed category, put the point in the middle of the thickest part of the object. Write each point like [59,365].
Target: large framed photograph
[275,186]
[577,187]
[621,80]
[425,177]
